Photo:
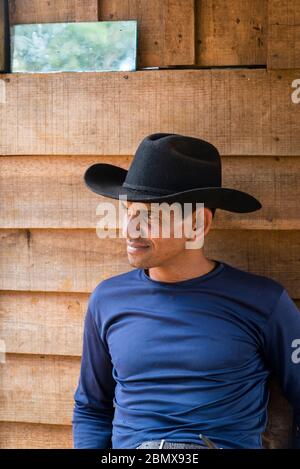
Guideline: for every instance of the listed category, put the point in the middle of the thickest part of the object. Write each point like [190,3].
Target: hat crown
[169,163]
[168,168]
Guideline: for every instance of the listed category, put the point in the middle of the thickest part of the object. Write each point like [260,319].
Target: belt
[163,444]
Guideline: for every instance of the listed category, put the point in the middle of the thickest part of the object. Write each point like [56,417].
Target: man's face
[148,244]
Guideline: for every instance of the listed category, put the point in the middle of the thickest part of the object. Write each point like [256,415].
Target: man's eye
[147,216]
[153,216]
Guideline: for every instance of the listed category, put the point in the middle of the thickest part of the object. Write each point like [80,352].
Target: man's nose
[131,226]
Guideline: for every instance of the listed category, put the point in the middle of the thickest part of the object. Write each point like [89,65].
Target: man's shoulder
[117,279]
[113,284]
[259,285]
[251,277]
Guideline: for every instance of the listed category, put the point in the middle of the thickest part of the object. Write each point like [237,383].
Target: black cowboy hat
[170,168]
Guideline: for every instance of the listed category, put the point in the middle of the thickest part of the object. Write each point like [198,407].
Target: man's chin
[134,261]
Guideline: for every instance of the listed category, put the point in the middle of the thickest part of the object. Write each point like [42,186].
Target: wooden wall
[226,74]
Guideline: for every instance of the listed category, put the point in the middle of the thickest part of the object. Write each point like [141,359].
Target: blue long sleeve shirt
[172,360]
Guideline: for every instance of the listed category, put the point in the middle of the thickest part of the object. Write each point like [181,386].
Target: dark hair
[213,210]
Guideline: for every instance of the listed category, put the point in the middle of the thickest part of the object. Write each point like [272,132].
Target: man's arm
[282,351]
[93,409]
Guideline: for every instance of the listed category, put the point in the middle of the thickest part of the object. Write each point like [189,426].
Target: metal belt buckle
[161,444]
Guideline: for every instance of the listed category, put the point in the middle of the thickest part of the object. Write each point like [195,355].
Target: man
[177,352]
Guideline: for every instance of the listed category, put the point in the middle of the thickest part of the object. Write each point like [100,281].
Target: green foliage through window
[86,46]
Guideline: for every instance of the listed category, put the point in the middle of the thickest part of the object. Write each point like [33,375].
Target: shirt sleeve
[93,399]
[282,350]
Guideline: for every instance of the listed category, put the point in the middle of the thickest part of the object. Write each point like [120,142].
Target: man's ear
[196,236]
[198,216]
[196,222]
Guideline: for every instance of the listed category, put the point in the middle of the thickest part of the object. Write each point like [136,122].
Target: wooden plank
[270,123]
[278,107]
[231,32]
[59,260]
[54,11]
[76,260]
[265,253]
[242,112]
[35,436]
[38,389]
[179,32]
[283,34]
[48,192]
[42,323]
[273,180]
[166,30]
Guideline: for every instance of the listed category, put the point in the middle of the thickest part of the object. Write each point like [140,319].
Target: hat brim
[106,180]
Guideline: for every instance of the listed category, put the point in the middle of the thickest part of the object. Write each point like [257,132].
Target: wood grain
[59,260]
[242,112]
[35,436]
[54,11]
[233,32]
[77,260]
[42,323]
[166,29]
[53,126]
[38,388]
[49,192]
[283,34]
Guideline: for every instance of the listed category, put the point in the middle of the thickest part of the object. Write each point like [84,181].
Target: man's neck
[168,274]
